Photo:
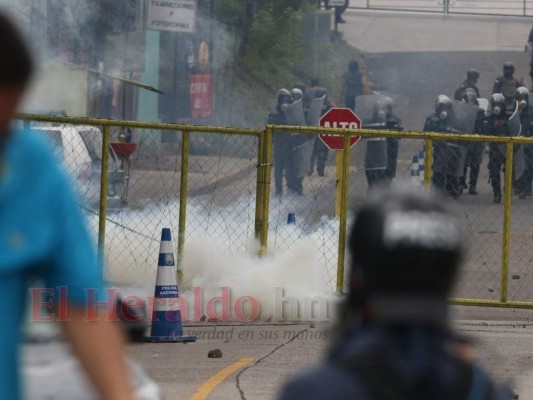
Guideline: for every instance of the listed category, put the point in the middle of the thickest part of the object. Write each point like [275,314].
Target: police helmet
[472,74]
[522,93]
[442,106]
[469,96]
[297,94]
[405,242]
[497,103]
[284,96]
[508,66]
[443,100]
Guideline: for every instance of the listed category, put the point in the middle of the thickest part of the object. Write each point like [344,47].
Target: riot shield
[462,118]
[380,111]
[295,114]
[483,104]
[301,143]
[315,111]
[515,129]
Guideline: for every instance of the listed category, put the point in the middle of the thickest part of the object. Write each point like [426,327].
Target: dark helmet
[472,74]
[353,65]
[299,85]
[469,96]
[508,67]
[497,103]
[405,242]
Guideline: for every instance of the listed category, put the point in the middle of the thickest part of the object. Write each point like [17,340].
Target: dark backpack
[382,382]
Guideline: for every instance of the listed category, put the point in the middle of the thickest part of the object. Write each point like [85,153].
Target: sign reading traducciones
[171,15]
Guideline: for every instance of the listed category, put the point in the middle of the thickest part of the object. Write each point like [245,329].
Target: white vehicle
[80,150]
[50,371]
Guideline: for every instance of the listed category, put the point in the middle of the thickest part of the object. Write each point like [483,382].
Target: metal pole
[344,212]
[183,202]
[103,194]
[266,190]
[506,220]
[338,184]
[428,163]
[259,191]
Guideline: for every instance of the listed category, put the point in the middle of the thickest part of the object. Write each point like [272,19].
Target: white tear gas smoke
[221,257]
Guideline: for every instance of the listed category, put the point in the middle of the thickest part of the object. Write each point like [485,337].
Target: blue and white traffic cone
[166,316]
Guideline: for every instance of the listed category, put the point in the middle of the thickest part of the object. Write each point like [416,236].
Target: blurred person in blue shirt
[42,234]
[393,339]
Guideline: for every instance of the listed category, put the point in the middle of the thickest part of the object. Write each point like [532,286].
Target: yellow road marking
[207,387]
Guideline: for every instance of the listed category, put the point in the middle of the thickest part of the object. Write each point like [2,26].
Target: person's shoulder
[325,382]
[32,148]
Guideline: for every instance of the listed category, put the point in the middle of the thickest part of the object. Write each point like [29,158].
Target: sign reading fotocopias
[171,15]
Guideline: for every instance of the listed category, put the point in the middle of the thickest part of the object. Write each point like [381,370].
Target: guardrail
[512,8]
[227,175]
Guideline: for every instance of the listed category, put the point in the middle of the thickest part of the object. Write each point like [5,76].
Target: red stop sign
[343,118]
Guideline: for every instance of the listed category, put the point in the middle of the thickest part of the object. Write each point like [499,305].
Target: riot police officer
[472,76]
[445,157]
[507,84]
[381,153]
[393,338]
[319,156]
[497,124]
[474,150]
[281,144]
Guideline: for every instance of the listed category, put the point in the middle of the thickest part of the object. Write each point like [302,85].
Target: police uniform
[281,151]
[445,158]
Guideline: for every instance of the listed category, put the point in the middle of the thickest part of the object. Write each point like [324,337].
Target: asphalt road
[418,57]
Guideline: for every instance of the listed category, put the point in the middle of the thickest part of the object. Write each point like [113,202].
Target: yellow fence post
[266,189]
[103,193]
[508,184]
[259,190]
[343,212]
[184,174]
[428,163]
[338,183]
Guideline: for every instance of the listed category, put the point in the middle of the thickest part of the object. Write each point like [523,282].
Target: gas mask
[443,115]
[497,110]
[522,104]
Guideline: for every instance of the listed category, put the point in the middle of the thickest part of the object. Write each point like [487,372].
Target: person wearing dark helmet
[470,82]
[393,339]
[507,84]
[281,146]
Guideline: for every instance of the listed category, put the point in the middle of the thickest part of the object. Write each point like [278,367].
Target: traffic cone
[166,316]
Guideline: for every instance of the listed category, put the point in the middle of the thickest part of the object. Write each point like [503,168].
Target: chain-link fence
[223,188]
